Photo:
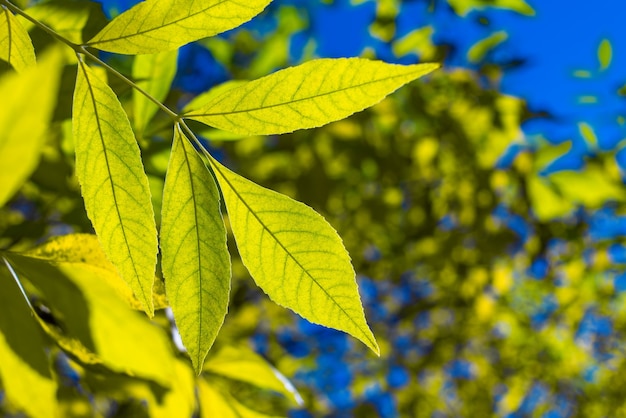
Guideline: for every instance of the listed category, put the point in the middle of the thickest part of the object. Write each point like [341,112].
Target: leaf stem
[82,49]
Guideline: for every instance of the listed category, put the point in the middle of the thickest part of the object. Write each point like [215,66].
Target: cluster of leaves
[83,288]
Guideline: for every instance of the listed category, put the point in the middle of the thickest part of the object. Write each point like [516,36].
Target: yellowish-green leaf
[463,7]
[306,96]
[591,187]
[480,49]
[16,47]
[163,25]
[208,96]
[24,368]
[85,248]
[154,74]
[548,153]
[418,41]
[74,20]
[23,127]
[114,186]
[294,255]
[196,261]
[245,365]
[588,134]
[217,403]
[605,54]
[92,313]
[547,204]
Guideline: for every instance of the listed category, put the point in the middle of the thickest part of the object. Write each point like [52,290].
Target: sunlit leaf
[217,403]
[74,20]
[294,255]
[154,74]
[196,261]
[591,187]
[547,204]
[605,54]
[588,135]
[24,369]
[85,248]
[307,96]
[23,127]
[15,45]
[463,7]
[162,25]
[418,41]
[113,183]
[91,312]
[245,365]
[480,49]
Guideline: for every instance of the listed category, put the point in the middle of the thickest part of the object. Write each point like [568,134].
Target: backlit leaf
[91,312]
[163,25]
[85,248]
[196,261]
[23,127]
[245,365]
[15,45]
[294,255]
[218,403]
[307,96]
[24,368]
[113,183]
[154,74]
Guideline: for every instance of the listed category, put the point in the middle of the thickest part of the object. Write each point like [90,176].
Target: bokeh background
[483,206]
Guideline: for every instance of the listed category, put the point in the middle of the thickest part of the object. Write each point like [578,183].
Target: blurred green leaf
[605,54]
[16,47]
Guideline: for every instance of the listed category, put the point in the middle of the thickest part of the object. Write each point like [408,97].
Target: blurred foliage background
[483,208]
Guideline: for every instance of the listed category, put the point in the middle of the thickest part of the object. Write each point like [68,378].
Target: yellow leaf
[480,49]
[24,368]
[196,261]
[217,403]
[15,45]
[153,74]
[605,54]
[163,25]
[92,313]
[306,96]
[245,365]
[23,127]
[591,187]
[294,255]
[114,186]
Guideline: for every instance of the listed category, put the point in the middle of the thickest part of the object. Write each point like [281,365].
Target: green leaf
[24,369]
[85,248]
[114,186]
[307,96]
[23,127]
[294,255]
[154,74]
[246,366]
[196,261]
[74,20]
[463,7]
[89,311]
[591,187]
[218,403]
[547,204]
[605,54]
[480,49]
[588,134]
[16,47]
[163,25]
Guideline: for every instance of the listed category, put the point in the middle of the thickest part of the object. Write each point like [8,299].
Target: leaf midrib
[106,158]
[155,29]
[315,96]
[289,253]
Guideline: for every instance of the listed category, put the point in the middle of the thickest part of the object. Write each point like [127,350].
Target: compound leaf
[163,25]
[294,255]
[23,127]
[114,186]
[196,261]
[16,47]
[306,96]
[24,369]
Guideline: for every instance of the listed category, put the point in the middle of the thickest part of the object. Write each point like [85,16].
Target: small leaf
[113,183]
[154,74]
[294,255]
[588,134]
[480,49]
[605,54]
[23,127]
[307,96]
[246,366]
[196,261]
[163,25]
[16,47]
[90,312]
[24,369]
